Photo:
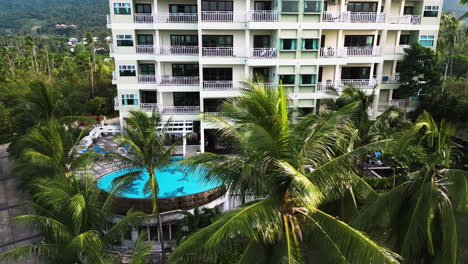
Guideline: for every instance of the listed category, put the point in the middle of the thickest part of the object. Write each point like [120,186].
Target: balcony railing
[179,50]
[148,107]
[115,75]
[111,49]
[223,52]
[179,110]
[143,18]
[177,18]
[400,103]
[179,80]
[398,49]
[353,17]
[222,16]
[358,83]
[147,78]
[263,16]
[324,87]
[359,51]
[217,86]
[406,19]
[146,49]
[395,78]
[109,19]
[266,53]
[329,52]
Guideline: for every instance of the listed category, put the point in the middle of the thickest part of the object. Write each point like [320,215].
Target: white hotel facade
[184,57]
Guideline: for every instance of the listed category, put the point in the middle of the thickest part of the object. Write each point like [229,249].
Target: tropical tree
[193,222]
[141,250]
[418,215]
[291,171]
[145,137]
[75,222]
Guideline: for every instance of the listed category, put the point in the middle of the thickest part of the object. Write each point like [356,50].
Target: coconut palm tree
[75,222]
[51,149]
[290,171]
[141,250]
[418,214]
[146,139]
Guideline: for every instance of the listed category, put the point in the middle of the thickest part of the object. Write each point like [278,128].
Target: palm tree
[291,171]
[74,220]
[51,149]
[192,222]
[145,137]
[418,214]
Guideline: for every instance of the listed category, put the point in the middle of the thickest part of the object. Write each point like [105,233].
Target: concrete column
[383,40]
[377,90]
[134,234]
[247,50]
[337,75]
[202,136]
[184,143]
[155,8]
[402,7]
[170,231]
[343,6]
[379,6]
[387,8]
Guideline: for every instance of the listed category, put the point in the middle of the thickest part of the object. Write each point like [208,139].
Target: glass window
[362,7]
[288,44]
[408,10]
[217,41]
[308,79]
[122,9]
[287,79]
[290,6]
[426,40]
[186,98]
[217,5]
[127,70]
[143,8]
[310,44]
[312,6]
[431,11]
[185,70]
[129,99]
[186,9]
[145,39]
[124,40]
[184,40]
[147,69]
[404,40]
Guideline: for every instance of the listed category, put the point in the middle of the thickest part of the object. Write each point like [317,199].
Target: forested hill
[40,16]
[454,5]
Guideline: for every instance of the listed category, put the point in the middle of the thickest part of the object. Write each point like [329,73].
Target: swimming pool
[173,182]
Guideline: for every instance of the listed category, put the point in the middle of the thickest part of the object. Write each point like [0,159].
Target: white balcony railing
[400,103]
[109,19]
[179,80]
[147,78]
[398,49]
[329,52]
[359,51]
[263,16]
[218,85]
[406,19]
[146,49]
[395,78]
[177,18]
[223,52]
[148,107]
[324,87]
[358,83]
[179,50]
[179,110]
[353,17]
[222,16]
[143,18]
[115,75]
[111,49]
[265,53]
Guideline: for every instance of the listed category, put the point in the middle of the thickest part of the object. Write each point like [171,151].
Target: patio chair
[98,149]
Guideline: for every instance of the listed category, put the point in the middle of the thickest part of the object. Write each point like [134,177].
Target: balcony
[263,16]
[179,80]
[222,52]
[109,19]
[395,50]
[400,103]
[218,86]
[353,17]
[172,50]
[264,53]
[177,18]
[222,16]
[143,18]
[148,107]
[111,50]
[179,110]
[147,78]
[343,52]
[395,78]
[323,87]
[406,19]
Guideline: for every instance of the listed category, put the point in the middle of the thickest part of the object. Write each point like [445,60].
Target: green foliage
[419,72]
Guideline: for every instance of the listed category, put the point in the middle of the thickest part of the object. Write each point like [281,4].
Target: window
[122,9]
[262,5]
[147,69]
[186,9]
[404,40]
[312,6]
[408,10]
[223,41]
[359,40]
[217,5]
[127,70]
[184,40]
[124,40]
[145,39]
[308,79]
[217,74]
[431,11]
[355,73]
[143,8]
[426,40]
[186,98]
[290,6]
[129,99]
[310,44]
[362,6]
[185,70]
[288,44]
[287,79]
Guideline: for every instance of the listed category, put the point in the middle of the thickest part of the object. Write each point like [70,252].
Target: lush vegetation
[80,83]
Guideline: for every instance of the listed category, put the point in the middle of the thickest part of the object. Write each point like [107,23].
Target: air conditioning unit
[332,2]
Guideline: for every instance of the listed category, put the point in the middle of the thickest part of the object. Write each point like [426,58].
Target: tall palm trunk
[154,189]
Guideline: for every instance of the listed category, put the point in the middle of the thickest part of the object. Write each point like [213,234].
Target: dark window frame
[287,79]
[362,7]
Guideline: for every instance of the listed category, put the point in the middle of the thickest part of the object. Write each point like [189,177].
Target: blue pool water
[173,181]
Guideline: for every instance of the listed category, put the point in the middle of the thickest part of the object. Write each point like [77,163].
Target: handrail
[222,16]
[217,85]
[177,18]
[353,17]
[143,18]
[263,53]
[222,52]
[263,16]
[147,78]
[179,80]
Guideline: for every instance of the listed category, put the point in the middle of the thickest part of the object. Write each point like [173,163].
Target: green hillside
[40,16]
